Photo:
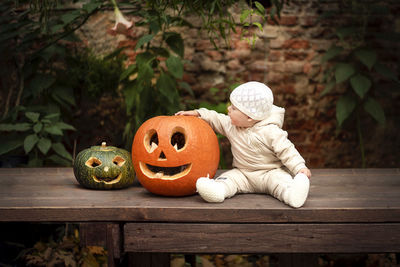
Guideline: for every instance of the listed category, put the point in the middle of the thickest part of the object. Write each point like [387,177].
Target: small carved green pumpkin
[104,167]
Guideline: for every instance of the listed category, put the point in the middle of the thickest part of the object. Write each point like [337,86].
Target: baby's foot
[210,190]
[297,192]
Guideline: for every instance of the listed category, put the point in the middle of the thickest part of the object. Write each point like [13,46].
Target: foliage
[91,75]
[37,134]
[36,42]
[33,43]
[153,83]
[355,67]
[247,17]
[64,252]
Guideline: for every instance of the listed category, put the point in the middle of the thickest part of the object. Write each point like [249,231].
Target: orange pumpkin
[170,153]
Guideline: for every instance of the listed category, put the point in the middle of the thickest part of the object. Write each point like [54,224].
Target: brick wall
[287,57]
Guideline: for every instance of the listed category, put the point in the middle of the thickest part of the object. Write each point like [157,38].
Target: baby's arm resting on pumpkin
[188,113]
[218,121]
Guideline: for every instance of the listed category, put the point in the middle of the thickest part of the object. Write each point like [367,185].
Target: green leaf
[186,86]
[175,42]
[69,17]
[160,51]
[60,150]
[18,127]
[332,52]
[272,13]
[154,26]
[44,145]
[33,116]
[59,160]
[175,66]
[343,72]
[130,94]
[328,88]
[385,71]
[35,162]
[64,94]
[346,31]
[41,82]
[54,130]
[375,110]
[29,142]
[367,57]
[260,8]
[38,127]
[361,84]
[51,51]
[10,145]
[344,107]
[144,58]
[144,40]
[90,7]
[130,70]
[64,126]
[54,29]
[260,27]
[52,116]
[166,86]
[244,15]
[145,73]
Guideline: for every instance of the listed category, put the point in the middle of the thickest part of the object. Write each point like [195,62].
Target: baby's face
[238,118]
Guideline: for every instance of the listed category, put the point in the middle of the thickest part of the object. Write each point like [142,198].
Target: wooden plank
[107,235]
[342,195]
[261,238]
[198,215]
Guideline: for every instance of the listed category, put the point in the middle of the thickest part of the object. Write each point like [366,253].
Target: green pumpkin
[104,167]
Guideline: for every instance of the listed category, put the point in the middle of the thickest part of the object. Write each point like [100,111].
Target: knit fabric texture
[254,99]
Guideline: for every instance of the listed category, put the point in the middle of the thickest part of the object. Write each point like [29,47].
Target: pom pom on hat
[253,99]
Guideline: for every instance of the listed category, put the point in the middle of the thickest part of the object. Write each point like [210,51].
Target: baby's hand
[306,171]
[188,113]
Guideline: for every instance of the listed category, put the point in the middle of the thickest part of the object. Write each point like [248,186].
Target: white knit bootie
[297,192]
[210,190]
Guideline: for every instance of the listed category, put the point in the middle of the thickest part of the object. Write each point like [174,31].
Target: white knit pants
[273,182]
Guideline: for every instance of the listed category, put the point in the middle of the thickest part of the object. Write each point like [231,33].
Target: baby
[264,160]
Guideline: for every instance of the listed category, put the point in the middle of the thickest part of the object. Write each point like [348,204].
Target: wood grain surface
[336,196]
[259,238]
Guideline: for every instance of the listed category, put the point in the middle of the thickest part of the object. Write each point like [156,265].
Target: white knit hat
[253,99]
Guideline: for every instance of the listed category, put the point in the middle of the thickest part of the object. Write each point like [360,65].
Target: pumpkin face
[170,153]
[104,167]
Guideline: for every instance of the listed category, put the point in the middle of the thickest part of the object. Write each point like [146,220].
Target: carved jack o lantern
[170,153]
[104,167]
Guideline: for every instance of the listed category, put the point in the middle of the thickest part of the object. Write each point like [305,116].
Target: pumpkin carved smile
[170,153]
[108,180]
[104,167]
[166,173]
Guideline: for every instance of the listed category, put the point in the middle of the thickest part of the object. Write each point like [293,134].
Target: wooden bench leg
[148,259]
[107,235]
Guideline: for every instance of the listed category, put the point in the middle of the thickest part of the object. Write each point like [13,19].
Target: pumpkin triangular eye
[118,161]
[153,147]
[93,162]
[178,140]
[151,140]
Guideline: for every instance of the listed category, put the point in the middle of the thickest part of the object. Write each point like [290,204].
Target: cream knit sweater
[264,146]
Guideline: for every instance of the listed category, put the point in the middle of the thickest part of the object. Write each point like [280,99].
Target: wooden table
[348,210]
